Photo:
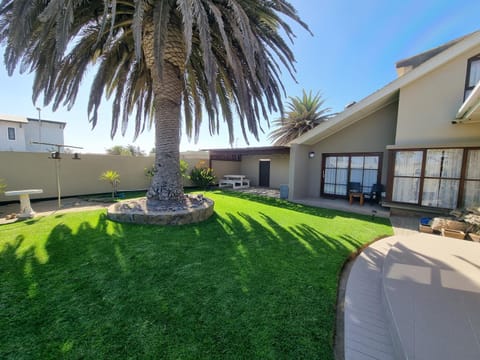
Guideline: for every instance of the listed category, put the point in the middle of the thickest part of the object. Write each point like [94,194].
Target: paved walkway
[49,207]
[414,296]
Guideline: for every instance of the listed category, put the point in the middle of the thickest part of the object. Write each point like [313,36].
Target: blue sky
[352,54]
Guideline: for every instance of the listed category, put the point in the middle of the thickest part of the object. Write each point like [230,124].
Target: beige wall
[371,134]
[249,166]
[428,106]
[278,168]
[22,170]
[222,168]
[298,171]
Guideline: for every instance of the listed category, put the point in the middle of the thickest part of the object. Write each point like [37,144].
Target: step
[366,328]
[431,290]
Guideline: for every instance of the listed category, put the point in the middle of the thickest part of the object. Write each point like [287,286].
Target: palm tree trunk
[167,181]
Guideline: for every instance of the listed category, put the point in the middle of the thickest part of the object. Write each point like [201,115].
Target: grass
[256,280]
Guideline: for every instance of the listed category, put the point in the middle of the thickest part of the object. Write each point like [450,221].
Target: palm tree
[113,178]
[156,58]
[304,113]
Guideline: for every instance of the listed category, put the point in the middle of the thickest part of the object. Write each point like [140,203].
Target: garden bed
[465,224]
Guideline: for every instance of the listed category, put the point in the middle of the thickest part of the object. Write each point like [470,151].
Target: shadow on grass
[306,209]
[234,284]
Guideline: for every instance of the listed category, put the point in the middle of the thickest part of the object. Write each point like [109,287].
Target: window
[406,180]
[471,192]
[340,169]
[442,178]
[473,75]
[11,133]
[436,177]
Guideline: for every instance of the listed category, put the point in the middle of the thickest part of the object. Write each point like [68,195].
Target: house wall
[48,131]
[222,168]
[278,168]
[371,134]
[33,170]
[12,145]
[298,172]
[428,106]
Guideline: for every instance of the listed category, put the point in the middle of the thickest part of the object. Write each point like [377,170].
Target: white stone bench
[26,210]
[235,181]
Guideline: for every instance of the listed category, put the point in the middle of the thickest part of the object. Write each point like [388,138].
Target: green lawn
[257,280]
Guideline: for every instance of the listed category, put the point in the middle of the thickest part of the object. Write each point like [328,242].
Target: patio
[413,296]
[334,204]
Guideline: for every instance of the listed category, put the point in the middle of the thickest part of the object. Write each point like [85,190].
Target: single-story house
[263,166]
[419,136]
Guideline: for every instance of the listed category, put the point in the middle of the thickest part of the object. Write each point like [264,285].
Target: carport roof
[237,153]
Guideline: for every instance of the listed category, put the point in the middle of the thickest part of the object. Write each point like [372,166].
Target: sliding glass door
[440,178]
[340,169]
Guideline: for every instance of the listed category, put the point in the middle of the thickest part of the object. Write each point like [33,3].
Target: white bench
[235,181]
[26,210]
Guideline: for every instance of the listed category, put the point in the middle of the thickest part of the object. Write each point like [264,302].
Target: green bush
[202,177]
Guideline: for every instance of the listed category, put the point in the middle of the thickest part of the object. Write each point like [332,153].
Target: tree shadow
[234,284]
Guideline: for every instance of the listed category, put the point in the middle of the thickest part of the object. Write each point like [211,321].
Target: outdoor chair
[354,187]
[375,194]
[355,191]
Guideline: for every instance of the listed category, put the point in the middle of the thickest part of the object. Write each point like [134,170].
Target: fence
[26,170]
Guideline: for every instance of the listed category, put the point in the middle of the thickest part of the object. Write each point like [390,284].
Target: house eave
[469,112]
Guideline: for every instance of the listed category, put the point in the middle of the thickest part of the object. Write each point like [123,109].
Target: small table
[355,195]
[236,181]
[26,210]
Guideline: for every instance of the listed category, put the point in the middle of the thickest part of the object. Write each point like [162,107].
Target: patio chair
[375,194]
[355,191]
[354,187]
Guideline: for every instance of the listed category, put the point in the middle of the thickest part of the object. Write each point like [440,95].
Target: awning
[470,109]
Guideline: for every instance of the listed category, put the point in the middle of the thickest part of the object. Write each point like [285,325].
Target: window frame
[467,78]
[461,180]
[323,182]
[10,131]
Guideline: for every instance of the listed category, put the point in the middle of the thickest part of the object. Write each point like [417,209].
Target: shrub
[113,178]
[202,176]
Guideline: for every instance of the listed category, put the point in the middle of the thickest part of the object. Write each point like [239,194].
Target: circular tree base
[194,209]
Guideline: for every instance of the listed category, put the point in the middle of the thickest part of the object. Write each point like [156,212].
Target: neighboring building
[263,166]
[410,136]
[17,133]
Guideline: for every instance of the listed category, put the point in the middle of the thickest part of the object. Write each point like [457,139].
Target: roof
[419,59]
[14,118]
[237,153]
[388,93]
[47,121]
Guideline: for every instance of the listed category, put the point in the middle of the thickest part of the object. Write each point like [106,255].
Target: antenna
[55,155]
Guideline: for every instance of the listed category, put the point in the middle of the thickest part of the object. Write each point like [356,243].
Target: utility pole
[39,125]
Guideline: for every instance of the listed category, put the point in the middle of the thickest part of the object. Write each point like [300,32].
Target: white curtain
[405,190]
[471,192]
[442,193]
[408,163]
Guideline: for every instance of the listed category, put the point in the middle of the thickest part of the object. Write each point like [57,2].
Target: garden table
[26,210]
